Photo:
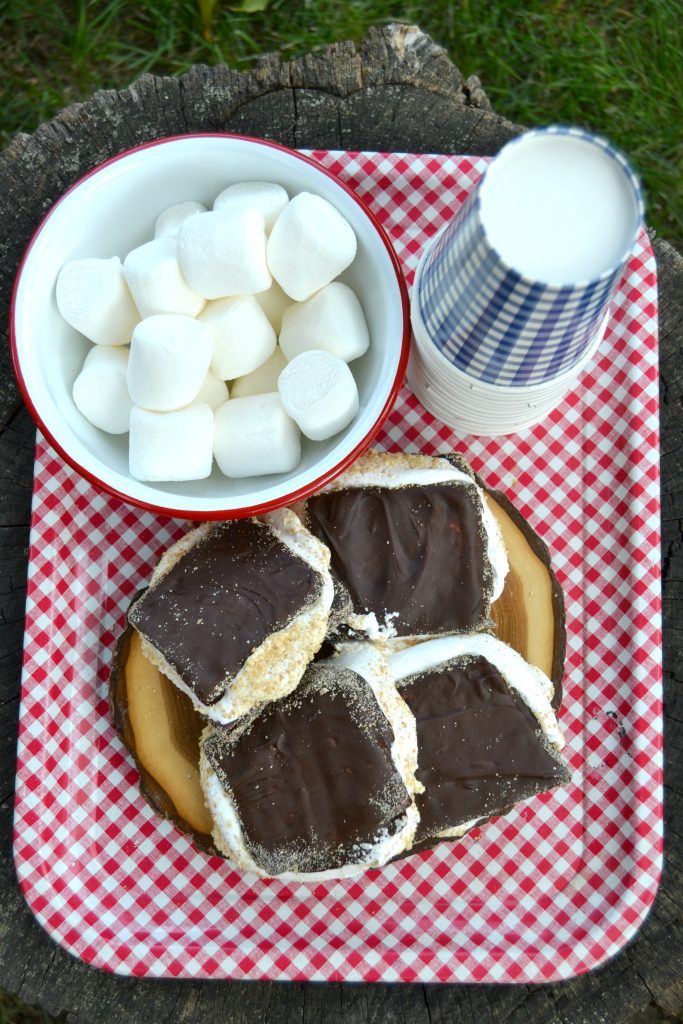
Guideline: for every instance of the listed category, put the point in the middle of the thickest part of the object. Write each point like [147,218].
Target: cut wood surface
[529,614]
[161,729]
[397,92]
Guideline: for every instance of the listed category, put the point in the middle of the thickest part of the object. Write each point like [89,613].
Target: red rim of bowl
[294,496]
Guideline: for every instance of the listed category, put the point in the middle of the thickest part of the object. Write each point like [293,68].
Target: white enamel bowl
[111,211]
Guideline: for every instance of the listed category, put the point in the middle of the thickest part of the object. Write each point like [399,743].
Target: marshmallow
[254,436]
[171,445]
[93,297]
[310,245]
[242,335]
[224,253]
[168,222]
[262,380]
[169,359]
[100,391]
[156,280]
[273,303]
[265,196]
[213,391]
[331,320]
[318,391]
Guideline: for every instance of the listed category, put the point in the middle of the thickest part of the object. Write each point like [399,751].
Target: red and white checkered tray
[545,893]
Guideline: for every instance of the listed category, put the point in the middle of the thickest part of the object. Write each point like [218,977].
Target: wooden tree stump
[399,91]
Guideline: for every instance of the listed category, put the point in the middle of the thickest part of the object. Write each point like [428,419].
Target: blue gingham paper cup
[473,408]
[514,291]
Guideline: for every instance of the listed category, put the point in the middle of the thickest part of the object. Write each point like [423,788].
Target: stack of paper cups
[511,299]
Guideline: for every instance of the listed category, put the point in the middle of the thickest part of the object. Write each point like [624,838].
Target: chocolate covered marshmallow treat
[487,735]
[236,610]
[320,783]
[414,547]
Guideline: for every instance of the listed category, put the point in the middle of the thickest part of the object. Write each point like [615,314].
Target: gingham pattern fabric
[547,892]
[490,321]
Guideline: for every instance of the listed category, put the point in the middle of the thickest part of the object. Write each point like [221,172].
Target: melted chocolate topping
[311,775]
[221,600]
[480,748]
[416,551]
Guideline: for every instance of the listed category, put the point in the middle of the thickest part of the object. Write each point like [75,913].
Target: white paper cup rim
[600,142]
[476,423]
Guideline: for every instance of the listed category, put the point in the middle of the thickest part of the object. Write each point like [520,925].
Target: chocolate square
[311,775]
[416,554]
[480,747]
[221,600]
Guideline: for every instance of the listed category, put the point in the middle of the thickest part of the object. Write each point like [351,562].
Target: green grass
[14,1011]
[609,66]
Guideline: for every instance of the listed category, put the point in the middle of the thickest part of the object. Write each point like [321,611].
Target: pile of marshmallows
[224,361]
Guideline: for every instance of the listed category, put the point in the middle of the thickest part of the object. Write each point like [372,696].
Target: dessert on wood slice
[426,534]
[528,615]
[362,764]
[486,732]
[319,784]
[413,544]
[236,610]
